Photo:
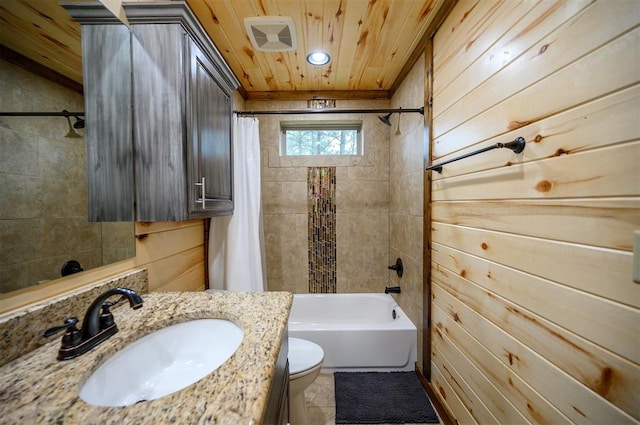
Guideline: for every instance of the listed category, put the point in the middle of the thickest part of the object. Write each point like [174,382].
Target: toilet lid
[303,355]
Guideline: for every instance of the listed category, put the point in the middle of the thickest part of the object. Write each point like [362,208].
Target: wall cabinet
[158,100]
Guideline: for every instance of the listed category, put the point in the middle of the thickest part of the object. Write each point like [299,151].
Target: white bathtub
[358,332]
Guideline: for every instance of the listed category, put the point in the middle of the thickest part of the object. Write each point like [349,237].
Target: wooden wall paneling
[614,327]
[583,174]
[581,267]
[516,401]
[568,220]
[481,64]
[553,51]
[145,228]
[440,10]
[571,398]
[605,70]
[173,253]
[183,271]
[602,122]
[388,41]
[480,397]
[165,244]
[489,52]
[450,399]
[466,18]
[531,253]
[603,372]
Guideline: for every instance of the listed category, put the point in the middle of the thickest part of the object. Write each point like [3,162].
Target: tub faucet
[98,324]
[391,289]
[397,267]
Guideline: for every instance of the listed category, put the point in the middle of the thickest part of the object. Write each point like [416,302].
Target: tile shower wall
[43,188]
[406,195]
[362,203]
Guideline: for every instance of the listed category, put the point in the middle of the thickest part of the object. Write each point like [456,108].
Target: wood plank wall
[173,252]
[535,314]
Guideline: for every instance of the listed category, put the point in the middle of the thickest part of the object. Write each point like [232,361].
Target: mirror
[43,201]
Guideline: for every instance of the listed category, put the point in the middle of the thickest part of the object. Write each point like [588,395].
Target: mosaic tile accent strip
[321,210]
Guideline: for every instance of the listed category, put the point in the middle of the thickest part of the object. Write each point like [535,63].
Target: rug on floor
[381,397]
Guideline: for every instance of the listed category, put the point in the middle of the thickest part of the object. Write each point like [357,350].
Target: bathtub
[358,332]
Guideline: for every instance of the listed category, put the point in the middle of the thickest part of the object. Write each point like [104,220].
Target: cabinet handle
[202,193]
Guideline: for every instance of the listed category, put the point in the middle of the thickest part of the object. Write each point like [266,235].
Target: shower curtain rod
[329,111]
[41,114]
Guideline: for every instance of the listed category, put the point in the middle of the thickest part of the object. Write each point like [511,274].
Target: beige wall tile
[362,186]
[43,183]
[406,197]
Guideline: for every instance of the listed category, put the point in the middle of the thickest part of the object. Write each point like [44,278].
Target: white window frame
[321,125]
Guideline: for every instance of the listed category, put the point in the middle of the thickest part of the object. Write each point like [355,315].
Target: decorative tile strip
[321,210]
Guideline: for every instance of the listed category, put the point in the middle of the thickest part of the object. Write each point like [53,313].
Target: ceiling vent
[271,33]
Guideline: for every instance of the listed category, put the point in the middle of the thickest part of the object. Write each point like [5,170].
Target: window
[321,138]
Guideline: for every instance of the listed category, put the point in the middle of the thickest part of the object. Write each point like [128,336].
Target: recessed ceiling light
[318,58]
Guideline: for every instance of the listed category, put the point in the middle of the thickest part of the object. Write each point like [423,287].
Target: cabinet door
[107,78]
[158,118]
[210,139]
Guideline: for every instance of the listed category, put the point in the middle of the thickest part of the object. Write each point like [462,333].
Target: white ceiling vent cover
[271,33]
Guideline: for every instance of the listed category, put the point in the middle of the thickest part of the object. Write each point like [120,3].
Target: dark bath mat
[381,397]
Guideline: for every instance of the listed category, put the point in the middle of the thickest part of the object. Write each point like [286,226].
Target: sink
[163,362]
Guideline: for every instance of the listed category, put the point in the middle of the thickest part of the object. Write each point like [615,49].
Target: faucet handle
[71,337]
[106,317]
[69,322]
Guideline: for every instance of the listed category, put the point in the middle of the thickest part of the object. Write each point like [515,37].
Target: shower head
[385,119]
[79,123]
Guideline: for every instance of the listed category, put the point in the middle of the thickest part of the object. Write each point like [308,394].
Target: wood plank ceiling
[369,41]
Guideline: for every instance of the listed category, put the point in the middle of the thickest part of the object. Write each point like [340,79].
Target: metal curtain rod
[42,114]
[516,146]
[329,111]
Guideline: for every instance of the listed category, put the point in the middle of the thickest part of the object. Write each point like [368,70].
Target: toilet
[305,360]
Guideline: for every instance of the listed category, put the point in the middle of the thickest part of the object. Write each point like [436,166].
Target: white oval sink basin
[163,362]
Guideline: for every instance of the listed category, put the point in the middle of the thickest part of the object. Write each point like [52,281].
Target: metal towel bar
[516,146]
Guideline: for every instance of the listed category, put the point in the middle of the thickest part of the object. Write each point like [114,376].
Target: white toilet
[305,360]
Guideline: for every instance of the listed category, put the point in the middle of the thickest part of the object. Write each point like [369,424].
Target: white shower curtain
[236,243]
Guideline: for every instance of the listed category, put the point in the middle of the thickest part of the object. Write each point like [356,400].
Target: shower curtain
[236,242]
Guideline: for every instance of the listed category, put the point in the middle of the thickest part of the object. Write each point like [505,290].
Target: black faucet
[397,267]
[98,324]
[392,290]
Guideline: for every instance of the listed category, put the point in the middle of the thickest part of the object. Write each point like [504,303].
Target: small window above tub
[320,138]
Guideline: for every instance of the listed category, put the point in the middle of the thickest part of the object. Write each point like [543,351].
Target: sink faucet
[98,324]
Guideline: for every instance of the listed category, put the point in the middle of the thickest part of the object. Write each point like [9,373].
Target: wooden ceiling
[370,42]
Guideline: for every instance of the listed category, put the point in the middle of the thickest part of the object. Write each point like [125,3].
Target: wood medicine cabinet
[158,105]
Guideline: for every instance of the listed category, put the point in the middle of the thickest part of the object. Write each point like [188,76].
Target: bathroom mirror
[43,201]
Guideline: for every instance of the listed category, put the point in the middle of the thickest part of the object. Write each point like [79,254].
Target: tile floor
[321,401]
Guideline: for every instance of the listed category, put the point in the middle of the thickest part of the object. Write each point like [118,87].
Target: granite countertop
[37,388]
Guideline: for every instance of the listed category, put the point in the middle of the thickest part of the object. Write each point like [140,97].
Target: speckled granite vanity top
[37,388]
